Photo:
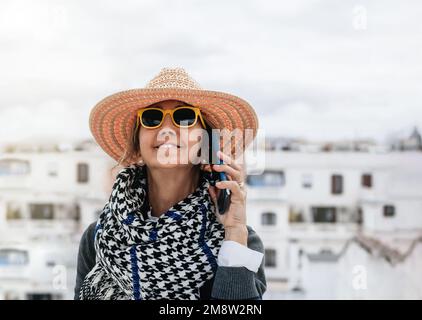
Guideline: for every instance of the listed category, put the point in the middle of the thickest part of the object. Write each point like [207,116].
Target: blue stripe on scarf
[130,218]
[135,274]
[174,215]
[153,234]
[203,244]
[98,226]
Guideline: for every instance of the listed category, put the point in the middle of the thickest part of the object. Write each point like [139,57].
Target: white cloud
[52,120]
[303,59]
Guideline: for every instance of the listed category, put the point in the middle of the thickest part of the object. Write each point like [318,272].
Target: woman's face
[169,146]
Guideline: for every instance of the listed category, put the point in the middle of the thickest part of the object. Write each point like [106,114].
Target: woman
[160,235]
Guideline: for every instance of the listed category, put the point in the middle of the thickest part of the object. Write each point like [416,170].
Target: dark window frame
[337,184]
[268,218]
[37,211]
[388,210]
[270,258]
[366,180]
[81,175]
[319,213]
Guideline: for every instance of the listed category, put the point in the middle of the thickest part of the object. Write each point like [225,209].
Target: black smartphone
[223,200]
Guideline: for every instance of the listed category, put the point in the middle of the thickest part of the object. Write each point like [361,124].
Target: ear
[140,161]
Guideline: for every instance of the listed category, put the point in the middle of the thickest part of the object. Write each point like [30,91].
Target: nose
[167,128]
[167,123]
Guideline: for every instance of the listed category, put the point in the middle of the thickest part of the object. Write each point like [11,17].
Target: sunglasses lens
[184,117]
[151,118]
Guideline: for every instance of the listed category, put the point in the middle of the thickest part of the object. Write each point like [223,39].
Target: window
[367,180]
[324,214]
[83,172]
[389,211]
[307,181]
[14,167]
[270,258]
[76,213]
[295,214]
[269,219]
[13,211]
[52,169]
[13,257]
[267,179]
[41,211]
[336,184]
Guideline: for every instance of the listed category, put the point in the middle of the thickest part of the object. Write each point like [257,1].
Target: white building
[47,199]
[307,206]
[326,219]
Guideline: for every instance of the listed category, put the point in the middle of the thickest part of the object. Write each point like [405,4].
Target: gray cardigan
[229,283]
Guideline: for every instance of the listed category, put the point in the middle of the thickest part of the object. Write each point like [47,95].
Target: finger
[233,186]
[229,160]
[206,167]
[235,174]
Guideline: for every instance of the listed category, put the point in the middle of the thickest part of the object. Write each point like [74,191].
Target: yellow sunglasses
[182,117]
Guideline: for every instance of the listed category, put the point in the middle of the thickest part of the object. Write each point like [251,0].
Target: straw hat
[111,121]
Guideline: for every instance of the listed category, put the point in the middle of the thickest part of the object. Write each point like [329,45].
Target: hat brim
[112,119]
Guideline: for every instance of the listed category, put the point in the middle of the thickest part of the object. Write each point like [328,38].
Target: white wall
[408,215]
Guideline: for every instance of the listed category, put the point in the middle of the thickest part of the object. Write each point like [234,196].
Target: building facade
[331,222]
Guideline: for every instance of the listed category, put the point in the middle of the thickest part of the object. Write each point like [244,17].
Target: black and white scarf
[139,258]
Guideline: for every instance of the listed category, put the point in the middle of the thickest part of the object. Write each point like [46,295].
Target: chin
[166,166]
[166,159]
[168,162]
[169,159]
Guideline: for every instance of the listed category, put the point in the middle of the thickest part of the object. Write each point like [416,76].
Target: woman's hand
[234,219]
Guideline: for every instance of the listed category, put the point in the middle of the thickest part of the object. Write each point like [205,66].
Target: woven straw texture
[112,119]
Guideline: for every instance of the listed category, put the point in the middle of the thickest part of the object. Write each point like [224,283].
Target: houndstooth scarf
[139,258]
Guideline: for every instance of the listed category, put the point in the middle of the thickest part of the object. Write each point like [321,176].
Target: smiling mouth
[167,145]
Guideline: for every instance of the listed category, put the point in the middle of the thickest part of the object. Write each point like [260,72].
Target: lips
[167,145]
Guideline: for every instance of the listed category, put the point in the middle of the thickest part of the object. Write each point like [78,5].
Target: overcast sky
[312,69]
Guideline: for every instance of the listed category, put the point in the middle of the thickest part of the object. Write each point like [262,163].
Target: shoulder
[86,245]
[86,257]
[89,232]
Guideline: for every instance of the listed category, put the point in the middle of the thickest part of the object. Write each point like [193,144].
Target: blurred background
[337,88]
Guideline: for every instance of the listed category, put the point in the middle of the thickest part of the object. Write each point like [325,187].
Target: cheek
[194,140]
[146,139]
[195,137]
